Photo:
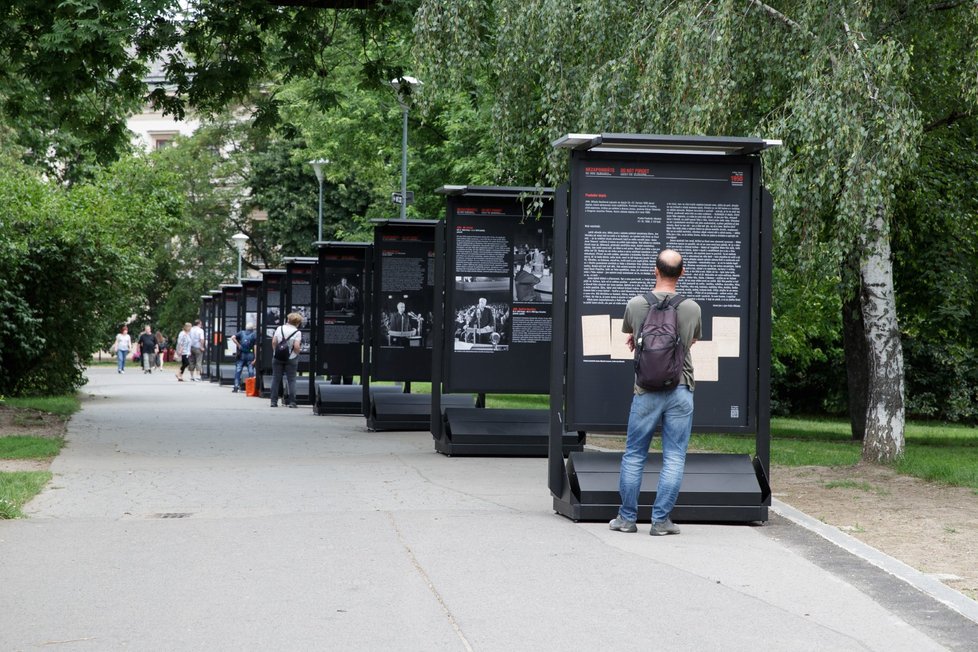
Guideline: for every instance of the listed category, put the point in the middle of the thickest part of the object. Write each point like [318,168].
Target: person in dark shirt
[245,358]
[148,349]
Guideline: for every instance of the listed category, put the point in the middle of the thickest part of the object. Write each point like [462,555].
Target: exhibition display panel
[493,305]
[400,327]
[271,303]
[344,277]
[630,196]
[213,332]
[206,306]
[230,308]
[300,297]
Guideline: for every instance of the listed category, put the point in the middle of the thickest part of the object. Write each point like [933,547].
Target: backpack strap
[673,301]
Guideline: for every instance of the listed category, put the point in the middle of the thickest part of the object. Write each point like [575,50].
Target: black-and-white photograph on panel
[343,294]
[404,321]
[482,319]
[533,263]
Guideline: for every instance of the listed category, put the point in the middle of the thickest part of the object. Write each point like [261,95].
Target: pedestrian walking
[160,350]
[183,350]
[147,349]
[121,347]
[197,348]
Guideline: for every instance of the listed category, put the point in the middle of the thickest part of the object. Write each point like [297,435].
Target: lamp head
[317,167]
[240,239]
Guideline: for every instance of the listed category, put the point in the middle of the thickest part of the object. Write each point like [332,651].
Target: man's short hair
[667,270]
[197,322]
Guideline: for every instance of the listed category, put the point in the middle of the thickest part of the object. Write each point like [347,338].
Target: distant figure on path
[147,349]
[183,350]
[121,347]
[197,348]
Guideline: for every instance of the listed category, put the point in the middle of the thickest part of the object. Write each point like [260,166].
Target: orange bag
[251,387]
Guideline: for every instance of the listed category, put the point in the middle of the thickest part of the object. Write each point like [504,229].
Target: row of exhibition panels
[519,290]
[467,310]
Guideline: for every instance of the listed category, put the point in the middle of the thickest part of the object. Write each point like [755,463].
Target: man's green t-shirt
[689,324]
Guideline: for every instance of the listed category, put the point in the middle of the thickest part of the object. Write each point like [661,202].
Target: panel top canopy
[494,191]
[657,144]
[272,272]
[230,286]
[398,222]
[338,243]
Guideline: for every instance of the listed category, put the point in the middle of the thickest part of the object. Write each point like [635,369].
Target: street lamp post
[317,167]
[404,86]
[240,239]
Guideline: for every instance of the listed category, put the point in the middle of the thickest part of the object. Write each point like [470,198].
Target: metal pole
[404,110]
[239,265]
[320,238]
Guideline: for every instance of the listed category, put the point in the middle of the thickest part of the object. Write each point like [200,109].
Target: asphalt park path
[184,517]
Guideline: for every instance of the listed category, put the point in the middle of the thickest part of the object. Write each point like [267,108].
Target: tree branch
[774,13]
[947,120]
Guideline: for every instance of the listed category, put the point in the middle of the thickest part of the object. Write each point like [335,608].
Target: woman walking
[121,348]
[183,350]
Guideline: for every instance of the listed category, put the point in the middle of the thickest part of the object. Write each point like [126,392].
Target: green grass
[63,406]
[17,488]
[21,447]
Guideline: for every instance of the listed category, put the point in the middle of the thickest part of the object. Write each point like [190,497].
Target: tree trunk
[857,359]
[885,408]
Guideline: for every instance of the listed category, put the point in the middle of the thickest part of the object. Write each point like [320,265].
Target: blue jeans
[244,361]
[675,409]
[121,356]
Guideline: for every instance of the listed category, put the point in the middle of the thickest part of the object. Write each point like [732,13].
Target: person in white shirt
[183,350]
[290,334]
[123,342]
[197,347]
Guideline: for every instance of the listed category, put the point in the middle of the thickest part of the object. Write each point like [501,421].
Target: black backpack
[659,350]
[283,350]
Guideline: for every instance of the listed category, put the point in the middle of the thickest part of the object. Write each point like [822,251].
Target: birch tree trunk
[884,439]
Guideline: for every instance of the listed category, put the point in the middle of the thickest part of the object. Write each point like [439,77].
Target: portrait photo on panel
[341,295]
[405,321]
[482,322]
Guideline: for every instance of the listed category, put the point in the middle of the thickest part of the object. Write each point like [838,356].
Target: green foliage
[19,487]
[67,260]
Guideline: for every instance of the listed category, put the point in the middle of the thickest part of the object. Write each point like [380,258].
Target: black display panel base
[225,374]
[392,411]
[345,399]
[500,432]
[716,487]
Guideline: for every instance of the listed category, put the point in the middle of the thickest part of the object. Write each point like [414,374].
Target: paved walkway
[182,517]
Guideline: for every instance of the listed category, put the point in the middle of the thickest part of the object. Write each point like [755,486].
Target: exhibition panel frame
[629,196]
[342,308]
[230,309]
[271,301]
[300,297]
[206,306]
[493,304]
[213,333]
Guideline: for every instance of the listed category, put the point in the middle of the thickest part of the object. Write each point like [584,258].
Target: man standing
[245,359]
[147,349]
[197,347]
[484,322]
[674,407]
[400,323]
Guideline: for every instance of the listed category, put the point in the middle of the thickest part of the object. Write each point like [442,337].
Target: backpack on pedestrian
[659,350]
[283,350]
